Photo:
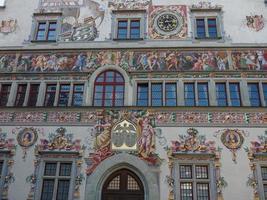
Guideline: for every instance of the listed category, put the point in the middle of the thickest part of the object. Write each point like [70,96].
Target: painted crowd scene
[133,61]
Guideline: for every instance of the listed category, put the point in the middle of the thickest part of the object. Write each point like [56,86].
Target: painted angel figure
[146,141]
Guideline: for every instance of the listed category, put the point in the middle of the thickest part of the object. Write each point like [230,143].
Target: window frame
[129,16]
[2,3]
[77,92]
[21,94]
[211,177]
[46,91]
[3,158]
[61,91]
[196,93]
[259,178]
[46,159]
[253,97]
[6,92]
[32,94]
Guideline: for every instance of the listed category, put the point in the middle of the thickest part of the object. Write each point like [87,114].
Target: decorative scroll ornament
[8,26]
[129,4]
[256,152]
[195,147]
[60,141]
[205,5]
[255,22]
[232,139]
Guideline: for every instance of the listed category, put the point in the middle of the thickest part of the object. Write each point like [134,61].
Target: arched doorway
[123,184]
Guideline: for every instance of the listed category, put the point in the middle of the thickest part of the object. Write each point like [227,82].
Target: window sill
[128,39]
[43,41]
[208,38]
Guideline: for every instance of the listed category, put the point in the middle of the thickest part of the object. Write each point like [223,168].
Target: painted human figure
[146,141]
[103,139]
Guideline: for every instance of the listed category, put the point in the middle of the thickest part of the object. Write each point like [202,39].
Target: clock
[167,22]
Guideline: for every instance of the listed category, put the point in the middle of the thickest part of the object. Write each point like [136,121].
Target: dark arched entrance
[122,185]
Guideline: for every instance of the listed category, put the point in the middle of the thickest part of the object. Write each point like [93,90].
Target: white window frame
[129,15]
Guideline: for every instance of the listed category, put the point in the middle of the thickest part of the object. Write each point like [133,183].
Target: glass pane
[114,184]
[185,171]
[264,87]
[200,23]
[202,172]
[110,76]
[63,189]
[33,95]
[189,93]
[4,94]
[142,94]
[99,88]
[221,94]
[254,95]
[122,24]
[64,95]
[264,173]
[48,188]
[50,169]
[156,94]
[235,94]
[1,168]
[186,191]
[203,96]
[132,184]
[65,169]
[202,191]
[100,78]
[20,95]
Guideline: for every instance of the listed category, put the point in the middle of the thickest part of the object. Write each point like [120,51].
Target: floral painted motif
[255,22]
[60,141]
[195,147]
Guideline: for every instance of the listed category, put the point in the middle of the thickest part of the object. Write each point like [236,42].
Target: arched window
[109,89]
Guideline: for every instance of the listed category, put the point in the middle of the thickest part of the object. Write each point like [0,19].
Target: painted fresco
[255,22]
[129,4]
[7,62]
[167,22]
[8,26]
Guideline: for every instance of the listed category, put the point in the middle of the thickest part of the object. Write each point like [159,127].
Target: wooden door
[123,185]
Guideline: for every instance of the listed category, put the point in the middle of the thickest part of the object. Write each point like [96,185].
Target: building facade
[133,99]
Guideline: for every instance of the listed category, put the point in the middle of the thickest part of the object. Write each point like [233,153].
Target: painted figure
[103,139]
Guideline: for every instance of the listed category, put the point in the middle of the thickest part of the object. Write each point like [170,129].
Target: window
[156,94]
[109,89]
[170,94]
[46,31]
[189,94]
[4,94]
[77,97]
[235,94]
[207,23]
[194,181]
[3,173]
[221,94]
[56,180]
[128,25]
[264,87]
[50,94]
[33,94]
[2,3]
[63,97]
[142,94]
[21,92]
[254,95]
[203,94]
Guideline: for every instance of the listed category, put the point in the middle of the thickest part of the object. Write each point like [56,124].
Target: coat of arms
[255,22]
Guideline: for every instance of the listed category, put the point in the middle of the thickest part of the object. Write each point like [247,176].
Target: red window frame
[112,83]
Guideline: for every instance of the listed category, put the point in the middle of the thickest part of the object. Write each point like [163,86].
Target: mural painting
[8,26]
[59,145]
[167,22]
[129,4]
[110,137]
[7,149]
[256,152]
[232,139]
[255,22]
[7,62]
[205,5]
[194,146]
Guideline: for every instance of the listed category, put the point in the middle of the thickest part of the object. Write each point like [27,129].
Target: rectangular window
[170,94]
[254,95]
[221,94]
[77,97]
[56,181]
[264,87]
[142,94]
[201,31]
[4,94]
[122,29]
[189,94]
[264,180]
[50,94]
[33,94]
[212,28]
[194,177]
[206,27]
[156,94]
[135,29]
[203,94]
[128,29]
[63,97]
[21,92]
[235,94]
[2,3]
[46,31]
[1,169]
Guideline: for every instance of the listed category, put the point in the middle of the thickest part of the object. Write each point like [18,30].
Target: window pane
[1,168]
[142,94]
[50,169]
[64,95]
[254,96]
[4,94]
[186,191]
[221,94]
[189,93]
[200,23]
[77,98]
[20,95]
[235,94]
[265,191]
[50,95]
[170,94]
[65,169]
[264,173]
[202,172]
[33,95]
[122,29]
[47,191]
[264,87]
[63,189]
[202,191]
[156,94]
[203,95]
[135,29]
[212,28]
[185,171]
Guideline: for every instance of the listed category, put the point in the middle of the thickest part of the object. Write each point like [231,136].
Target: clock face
[167,22]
